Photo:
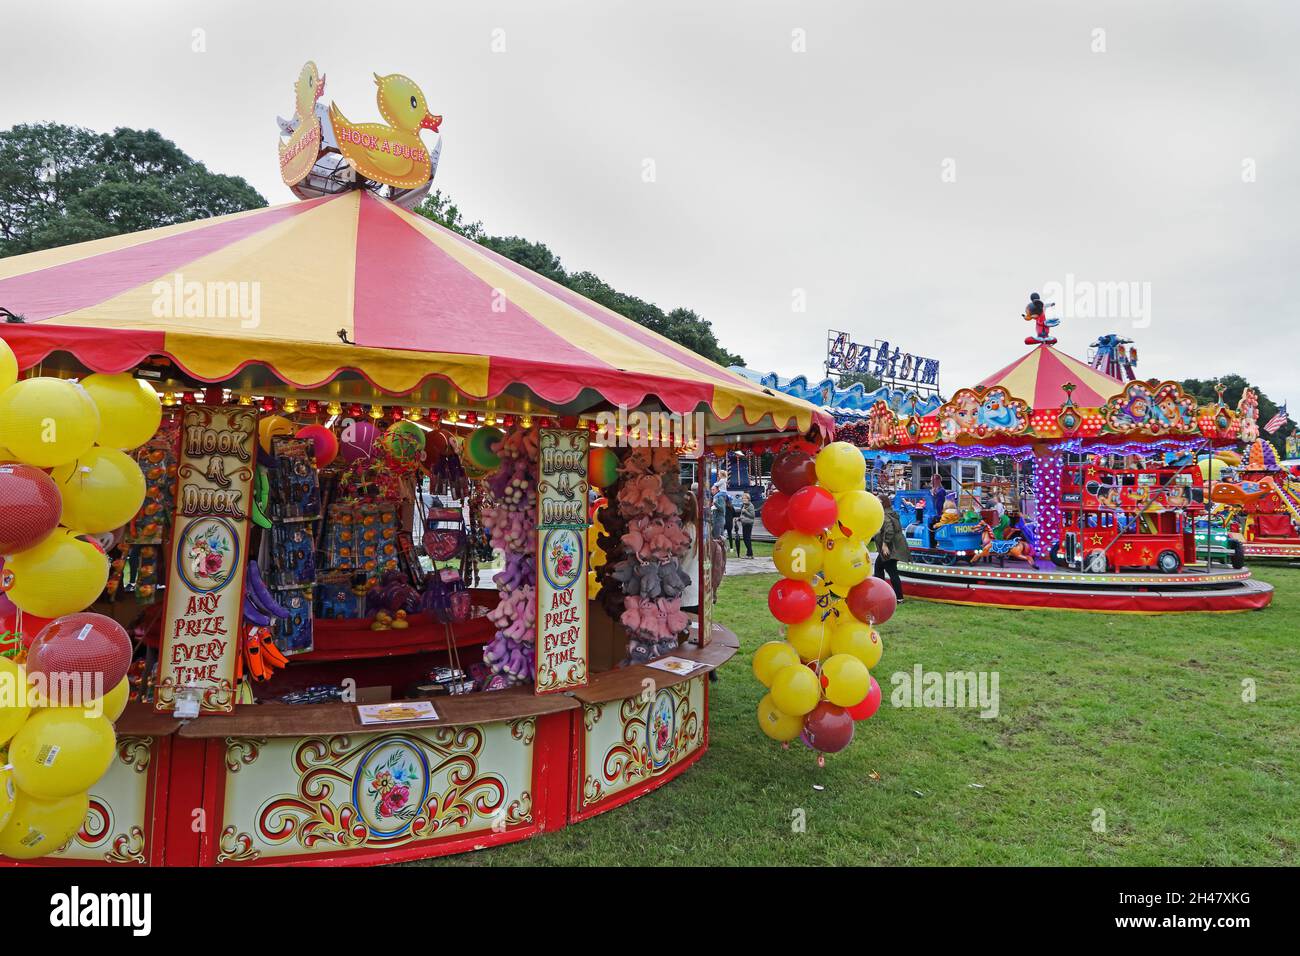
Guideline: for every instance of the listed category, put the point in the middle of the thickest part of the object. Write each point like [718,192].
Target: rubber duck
[392,154]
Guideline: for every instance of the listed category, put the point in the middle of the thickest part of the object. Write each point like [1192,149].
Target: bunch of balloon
[819,677]
[64,478]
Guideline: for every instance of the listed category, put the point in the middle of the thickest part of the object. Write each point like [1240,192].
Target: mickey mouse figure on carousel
[1036,312]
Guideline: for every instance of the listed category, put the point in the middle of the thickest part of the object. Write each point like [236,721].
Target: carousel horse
[1001,547]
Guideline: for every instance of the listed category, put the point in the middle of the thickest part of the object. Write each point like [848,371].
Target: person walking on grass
[891,546]
[745,519]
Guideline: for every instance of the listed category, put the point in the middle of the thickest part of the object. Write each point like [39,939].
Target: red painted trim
[187,791]
[1145,602]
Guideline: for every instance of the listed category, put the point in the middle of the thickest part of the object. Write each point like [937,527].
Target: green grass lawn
[1140,718]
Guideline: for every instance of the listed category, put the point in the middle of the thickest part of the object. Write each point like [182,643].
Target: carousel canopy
[1037,377]
[347,294]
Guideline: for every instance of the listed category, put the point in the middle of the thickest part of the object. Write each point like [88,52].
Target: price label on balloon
[205,591]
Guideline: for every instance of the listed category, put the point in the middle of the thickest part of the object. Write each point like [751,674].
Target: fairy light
[290,406]
[1047,504]
[414,414]
[376,412]
[334,408]
[245,400]
[526,421]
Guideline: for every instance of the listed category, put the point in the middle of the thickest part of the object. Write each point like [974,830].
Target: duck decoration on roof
[299,152]
[391,152]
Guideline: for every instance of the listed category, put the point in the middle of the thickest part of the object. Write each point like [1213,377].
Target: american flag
[1277,421]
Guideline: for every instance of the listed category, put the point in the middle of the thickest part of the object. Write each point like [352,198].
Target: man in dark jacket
[891,546]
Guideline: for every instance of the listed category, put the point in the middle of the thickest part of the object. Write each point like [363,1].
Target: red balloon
[30,507]
[827,728]
[792,470]
[872,601]
[812,509]
[868,705]
[31,624]
[325,444]
[775,518]
[791,601]
[83,647]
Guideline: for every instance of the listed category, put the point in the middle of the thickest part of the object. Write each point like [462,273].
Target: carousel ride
[1104,529]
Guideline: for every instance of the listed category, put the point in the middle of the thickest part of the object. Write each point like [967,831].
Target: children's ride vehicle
[941,539]
[1128,519]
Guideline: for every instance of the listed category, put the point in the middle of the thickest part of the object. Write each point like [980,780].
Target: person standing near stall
[891,546]
[745,519]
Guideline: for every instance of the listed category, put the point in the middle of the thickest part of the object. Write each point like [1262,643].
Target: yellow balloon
[38,827]
[102,490]
[772,657]
[796,690]
[61,751]
[61,575]
[777,724]
[8,366]
[851,636]
[847,680]
[861,513]
[846,563]
[129,409]
[809,638]
[115,700]
[7,456]
[14,702]
[8,792]
[840,467]
[273,425]
[47,421]
[798,555]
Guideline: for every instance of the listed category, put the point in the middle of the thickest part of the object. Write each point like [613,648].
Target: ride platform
[1012,586]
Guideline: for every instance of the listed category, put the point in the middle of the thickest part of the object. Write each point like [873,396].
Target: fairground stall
[1104,528]
[404,567]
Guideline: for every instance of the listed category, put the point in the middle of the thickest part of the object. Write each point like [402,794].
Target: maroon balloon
[812,509]
[776,518]
[791,601]
[30,507]
[872,601]
[792,470]
[85,647]
[868,705]
[828,728]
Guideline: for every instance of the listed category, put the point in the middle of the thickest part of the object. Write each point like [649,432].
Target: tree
[1233,386]
[683,326]
[63,184]
[869,382]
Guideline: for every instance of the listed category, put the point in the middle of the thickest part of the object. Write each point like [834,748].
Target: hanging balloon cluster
[512,526]
[819,678]
[57,706]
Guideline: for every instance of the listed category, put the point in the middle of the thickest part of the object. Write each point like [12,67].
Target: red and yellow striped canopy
[1037,378]
[352,287]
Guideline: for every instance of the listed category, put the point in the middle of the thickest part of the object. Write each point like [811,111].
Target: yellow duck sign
[390,152]
[299,153]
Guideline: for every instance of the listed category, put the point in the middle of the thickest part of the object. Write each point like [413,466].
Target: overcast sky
[910,170]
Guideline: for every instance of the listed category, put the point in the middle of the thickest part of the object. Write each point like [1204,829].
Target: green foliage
[63,184]
[1234,385]
[683,326]
[869,382]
